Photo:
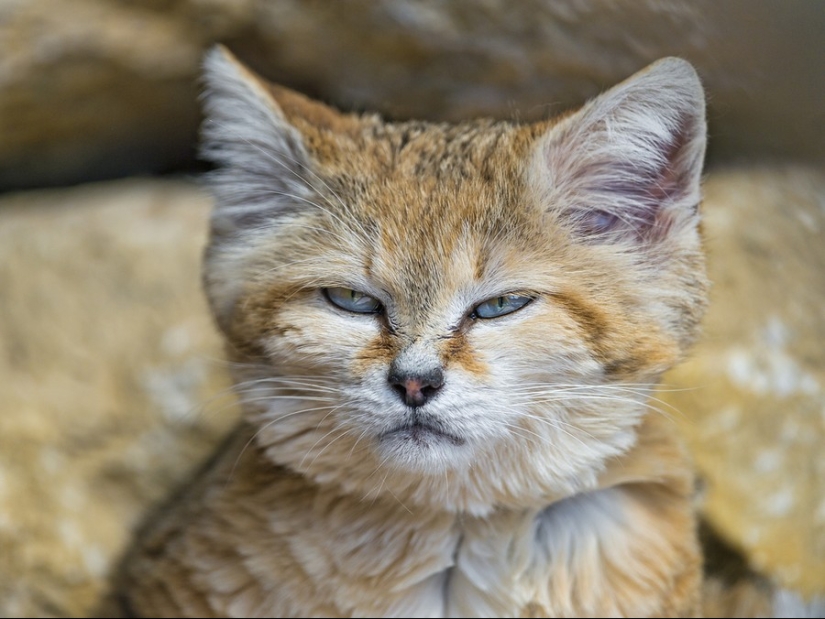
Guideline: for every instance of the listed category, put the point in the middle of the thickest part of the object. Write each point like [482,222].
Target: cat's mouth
[422,434]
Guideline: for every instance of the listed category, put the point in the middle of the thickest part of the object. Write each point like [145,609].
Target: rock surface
[112,389]
[751,399]
[94,88]
[111,381]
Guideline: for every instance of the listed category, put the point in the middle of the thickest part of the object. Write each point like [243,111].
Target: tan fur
[247,521]
[575,500]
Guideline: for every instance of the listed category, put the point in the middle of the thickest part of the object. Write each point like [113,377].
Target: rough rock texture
[112,388]
[751,400]
[95,88]
[111,380]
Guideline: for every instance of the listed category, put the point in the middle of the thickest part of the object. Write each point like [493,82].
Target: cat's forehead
[435,195]
[448,152]
[423,178]
[445,207]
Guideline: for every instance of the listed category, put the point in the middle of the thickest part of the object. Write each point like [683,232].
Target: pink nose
[416,389]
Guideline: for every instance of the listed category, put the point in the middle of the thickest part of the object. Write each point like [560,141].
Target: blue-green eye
[500,306]
[352,300]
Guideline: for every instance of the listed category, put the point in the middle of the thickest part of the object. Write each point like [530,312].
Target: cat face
[465,315]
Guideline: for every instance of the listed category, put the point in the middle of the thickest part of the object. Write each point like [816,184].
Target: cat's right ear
[261,163]
[627,166]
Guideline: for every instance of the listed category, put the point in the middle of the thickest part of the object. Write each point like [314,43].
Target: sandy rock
[111,380]
[95,88]
[751,399]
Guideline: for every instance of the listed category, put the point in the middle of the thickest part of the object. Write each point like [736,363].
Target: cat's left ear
[628,164]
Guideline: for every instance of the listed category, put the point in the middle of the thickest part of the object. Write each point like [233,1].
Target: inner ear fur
[629,163]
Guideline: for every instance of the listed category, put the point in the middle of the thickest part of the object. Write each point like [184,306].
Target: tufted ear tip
[219,67]
[677,82]
[674,67]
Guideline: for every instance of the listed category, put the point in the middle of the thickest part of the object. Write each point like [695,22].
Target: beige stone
[111,379]
[95,88]
[751,399]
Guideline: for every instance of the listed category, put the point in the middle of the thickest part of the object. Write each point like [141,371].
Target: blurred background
[111,382]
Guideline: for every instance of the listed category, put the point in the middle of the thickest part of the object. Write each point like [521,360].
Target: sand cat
[445,338]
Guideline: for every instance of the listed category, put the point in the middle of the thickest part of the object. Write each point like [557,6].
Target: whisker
[272,396]
[380,486]
[530,435]
[409,511]
[317,426]
[360,436]
[261,429]
[558,425]
[325,447]
[557,393]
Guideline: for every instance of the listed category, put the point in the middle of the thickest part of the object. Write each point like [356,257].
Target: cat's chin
[416,444]
[422,435]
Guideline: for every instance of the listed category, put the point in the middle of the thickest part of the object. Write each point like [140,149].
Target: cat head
[461,315]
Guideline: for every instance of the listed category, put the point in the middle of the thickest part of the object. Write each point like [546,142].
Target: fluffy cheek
[545,347]
[305,392]
[536,369]
[313,339]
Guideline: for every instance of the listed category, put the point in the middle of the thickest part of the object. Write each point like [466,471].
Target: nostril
[427,392]
[400,389]
[433,380]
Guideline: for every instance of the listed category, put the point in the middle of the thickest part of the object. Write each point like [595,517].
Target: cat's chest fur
[253,539]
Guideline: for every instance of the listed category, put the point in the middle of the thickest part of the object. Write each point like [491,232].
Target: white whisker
[262,429]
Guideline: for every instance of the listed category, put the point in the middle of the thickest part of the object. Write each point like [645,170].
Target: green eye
[352,300]
[500,306]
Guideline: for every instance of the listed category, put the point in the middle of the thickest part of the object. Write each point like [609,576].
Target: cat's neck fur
[267,543]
